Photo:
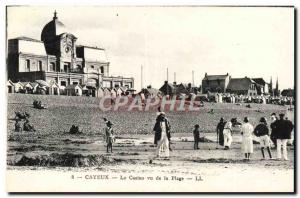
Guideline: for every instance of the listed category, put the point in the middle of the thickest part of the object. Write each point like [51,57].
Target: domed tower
[59,43]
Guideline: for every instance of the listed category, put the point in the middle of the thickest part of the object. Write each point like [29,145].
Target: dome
[53,28]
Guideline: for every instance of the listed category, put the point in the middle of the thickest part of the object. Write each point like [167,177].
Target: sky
[242,41]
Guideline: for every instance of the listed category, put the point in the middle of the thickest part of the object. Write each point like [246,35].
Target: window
[75,83]
[102,70]
[52,66]
[40,65]
[27,66]
[63,83]
[67,67]
[92,66]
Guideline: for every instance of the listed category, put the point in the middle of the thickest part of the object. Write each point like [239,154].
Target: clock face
[67,49]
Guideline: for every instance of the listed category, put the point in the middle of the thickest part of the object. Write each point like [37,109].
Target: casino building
[57,57]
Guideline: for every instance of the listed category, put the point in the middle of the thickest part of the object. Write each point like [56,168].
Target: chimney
[149,87]
[227,74]
[174,83]
[205,73]
[190,85]
[166,82]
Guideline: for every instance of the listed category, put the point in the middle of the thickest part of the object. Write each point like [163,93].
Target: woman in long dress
[247,138]
[162,134]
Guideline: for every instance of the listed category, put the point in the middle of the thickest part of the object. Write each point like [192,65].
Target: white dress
[163,143]
[247,139]
[227,134]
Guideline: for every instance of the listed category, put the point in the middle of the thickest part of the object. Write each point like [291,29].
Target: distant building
[150,92]
[244,86]
[261,85]
[168,89]
[57,57]
[215,83]
[288,92]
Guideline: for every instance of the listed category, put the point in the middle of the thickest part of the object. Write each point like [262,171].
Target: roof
[215,77]
[25,38]
[238,84]
[34,84]
[53,28]
[26,83]
[91,47]
[9,82]
[259,81]
[52,82]
[73,86]
[151,91]
[42,83]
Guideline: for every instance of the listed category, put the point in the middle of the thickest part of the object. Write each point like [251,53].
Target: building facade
[57,57]
[242,86]
[215,83]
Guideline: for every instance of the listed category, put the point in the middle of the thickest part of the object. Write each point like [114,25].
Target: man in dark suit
[283,132]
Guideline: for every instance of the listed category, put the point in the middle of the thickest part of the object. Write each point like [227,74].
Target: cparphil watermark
[137,103]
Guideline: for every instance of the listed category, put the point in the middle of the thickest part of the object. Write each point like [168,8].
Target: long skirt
[247,145]
[163,146]
[221,138]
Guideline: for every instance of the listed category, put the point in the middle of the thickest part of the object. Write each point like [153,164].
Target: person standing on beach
[273,129]
[247,139]
[220,128]
[262,132]
[283,135]
[162,136]
[196,133]
[227,135]
[109,136]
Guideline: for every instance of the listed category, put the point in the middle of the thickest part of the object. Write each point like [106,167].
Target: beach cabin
[106,91]
[99,92]
[53,88]
[34,87]
[43,87]
[19,87]
[74,90]
[28,88]
[10,87]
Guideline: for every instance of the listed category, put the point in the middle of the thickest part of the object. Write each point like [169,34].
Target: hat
[281,115]
[246,119]
[109,123]
[262,119]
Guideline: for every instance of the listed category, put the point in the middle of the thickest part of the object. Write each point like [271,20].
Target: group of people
[279,134]
[37,104]
[26,126]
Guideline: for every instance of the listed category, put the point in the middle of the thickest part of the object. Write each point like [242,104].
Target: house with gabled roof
[261,85]
[168,89]
[215,83]
[244,86]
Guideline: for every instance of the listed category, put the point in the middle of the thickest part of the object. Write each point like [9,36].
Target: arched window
[102,70]
[27,66]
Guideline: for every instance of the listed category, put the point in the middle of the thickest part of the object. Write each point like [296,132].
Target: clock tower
[60,43]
